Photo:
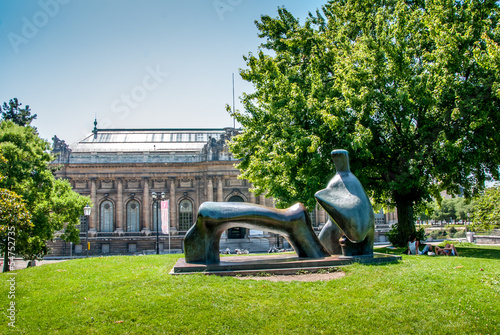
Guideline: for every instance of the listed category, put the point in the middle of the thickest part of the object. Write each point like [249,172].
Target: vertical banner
[165,217]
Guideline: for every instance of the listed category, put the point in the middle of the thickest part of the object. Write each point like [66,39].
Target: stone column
[146,206]
[252,195]
[220,193]
[95,209]
[119,205]
[322,215]
[210,190]
[173,208]
[262,200]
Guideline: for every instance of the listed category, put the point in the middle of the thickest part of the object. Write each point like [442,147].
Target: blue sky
[133,64]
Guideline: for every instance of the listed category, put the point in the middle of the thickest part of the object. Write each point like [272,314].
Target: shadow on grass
[491,252]
[479,252]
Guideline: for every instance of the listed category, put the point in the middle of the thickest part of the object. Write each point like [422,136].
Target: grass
[136,295]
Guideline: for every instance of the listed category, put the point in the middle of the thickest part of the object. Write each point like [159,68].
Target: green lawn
[136,295]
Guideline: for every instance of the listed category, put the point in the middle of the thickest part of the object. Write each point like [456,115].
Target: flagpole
[169,230]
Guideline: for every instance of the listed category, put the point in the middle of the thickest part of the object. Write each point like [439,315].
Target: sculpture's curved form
[345,200]
[201,244]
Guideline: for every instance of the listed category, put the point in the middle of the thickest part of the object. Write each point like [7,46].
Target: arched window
[107,221]
[237,232]
[236,198]
[133,216]
[185,214]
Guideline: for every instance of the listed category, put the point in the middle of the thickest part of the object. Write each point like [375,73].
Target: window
[107,216]
[312,216]
[133,216]
[185,214]
[154,212]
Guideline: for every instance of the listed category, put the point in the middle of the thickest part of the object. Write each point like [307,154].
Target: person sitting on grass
[413,245]
[449,249]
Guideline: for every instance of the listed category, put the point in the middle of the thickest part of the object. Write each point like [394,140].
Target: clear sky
[131,63]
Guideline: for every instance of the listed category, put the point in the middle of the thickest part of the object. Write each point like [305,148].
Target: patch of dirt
[300,277]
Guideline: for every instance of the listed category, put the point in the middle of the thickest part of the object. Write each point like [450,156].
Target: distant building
[119,169]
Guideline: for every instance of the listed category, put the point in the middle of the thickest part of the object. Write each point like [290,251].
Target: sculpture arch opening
[236,232]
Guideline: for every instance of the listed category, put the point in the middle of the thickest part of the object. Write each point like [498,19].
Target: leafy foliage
[14,219]
[13,112]
[487,209]
[51,203]
[396,83]
[454,208]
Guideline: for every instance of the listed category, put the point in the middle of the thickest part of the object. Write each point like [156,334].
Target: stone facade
[119,169]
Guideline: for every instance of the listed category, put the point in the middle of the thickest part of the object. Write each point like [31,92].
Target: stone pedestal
[469,236]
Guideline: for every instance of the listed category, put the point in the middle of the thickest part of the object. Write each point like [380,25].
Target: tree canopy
[51,203]
[407,87]
[13,112]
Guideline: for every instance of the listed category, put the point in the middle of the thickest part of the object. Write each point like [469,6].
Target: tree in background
[51,203]
[396,83]
[454,209]
[13,112]
[486,209]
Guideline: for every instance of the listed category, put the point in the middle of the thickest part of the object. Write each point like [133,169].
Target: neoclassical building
[119,169]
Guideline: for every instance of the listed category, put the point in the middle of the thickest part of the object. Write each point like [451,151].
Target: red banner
[165,217]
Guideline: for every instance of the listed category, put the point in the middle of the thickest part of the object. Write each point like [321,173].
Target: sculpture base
[276,264]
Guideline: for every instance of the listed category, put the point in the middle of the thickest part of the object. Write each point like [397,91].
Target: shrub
[438,234]
[395,236]
[452,231]
[459,234]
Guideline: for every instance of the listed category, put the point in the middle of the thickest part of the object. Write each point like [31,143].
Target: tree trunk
[405,219]
[6,261]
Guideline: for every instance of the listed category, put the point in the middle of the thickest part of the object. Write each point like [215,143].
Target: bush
[452,231]
[438,234]
[395,236]
[459,234]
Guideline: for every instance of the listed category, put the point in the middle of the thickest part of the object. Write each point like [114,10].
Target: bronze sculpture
[201,244]
[350,229]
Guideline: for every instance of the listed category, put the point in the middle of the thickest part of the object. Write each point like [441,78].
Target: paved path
[19,263]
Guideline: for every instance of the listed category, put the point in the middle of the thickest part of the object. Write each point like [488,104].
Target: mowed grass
[137,295]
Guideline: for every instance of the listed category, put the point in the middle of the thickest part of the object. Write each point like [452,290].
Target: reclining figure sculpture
[349,231]
[201,244]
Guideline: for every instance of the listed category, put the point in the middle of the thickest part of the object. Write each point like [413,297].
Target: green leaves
[51,203]
[486,209]
[13,112]
[410,89]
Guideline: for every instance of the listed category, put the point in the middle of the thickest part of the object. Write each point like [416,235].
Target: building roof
[140,140]
[147,146]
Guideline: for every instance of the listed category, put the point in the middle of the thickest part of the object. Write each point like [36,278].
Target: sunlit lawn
[137,295]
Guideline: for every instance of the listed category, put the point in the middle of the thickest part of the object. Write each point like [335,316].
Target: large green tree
[51,203]
[396,83]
